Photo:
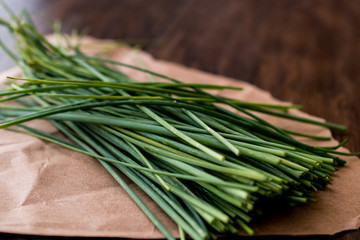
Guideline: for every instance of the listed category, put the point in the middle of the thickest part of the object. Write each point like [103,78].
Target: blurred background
[306,52]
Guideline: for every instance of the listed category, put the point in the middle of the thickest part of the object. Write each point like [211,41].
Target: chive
[205,166]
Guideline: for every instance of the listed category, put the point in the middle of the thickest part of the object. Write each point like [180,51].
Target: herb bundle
[210,170]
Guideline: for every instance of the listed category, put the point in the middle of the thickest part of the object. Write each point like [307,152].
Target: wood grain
[306,52]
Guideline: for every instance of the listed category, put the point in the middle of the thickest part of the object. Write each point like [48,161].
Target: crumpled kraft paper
[48,190]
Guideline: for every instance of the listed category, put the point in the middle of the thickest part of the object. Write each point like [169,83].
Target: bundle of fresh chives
[209,169]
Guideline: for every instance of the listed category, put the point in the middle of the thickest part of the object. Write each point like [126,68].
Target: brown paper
[48,190]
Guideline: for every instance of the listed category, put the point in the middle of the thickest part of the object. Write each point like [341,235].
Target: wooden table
[306,52]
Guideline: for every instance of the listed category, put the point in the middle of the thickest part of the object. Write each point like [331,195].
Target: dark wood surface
[306,52]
